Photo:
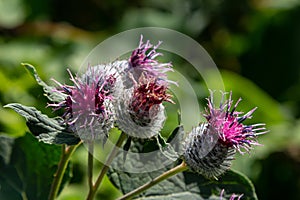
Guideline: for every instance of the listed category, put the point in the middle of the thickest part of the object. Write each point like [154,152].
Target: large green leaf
[46,129]
[185,185]
[49,90]
[29,167]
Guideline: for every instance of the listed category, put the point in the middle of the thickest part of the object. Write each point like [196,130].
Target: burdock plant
[129,95]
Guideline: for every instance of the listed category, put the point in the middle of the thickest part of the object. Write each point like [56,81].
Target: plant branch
[105,167]
[179,168]
[90,164]
[66,154]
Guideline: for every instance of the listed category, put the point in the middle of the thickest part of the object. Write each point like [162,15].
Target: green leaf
[30,169]
[5,149]
[169,150]
[173,146]
[49,90]
[185,185]
[176,139]
[46,129]
[166,149]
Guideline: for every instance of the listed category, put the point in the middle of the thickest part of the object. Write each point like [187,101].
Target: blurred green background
[255,44]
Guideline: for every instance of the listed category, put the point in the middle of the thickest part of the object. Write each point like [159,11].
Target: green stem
[180,168]
[67,152]
[105,167]
[90,164]
[24,196]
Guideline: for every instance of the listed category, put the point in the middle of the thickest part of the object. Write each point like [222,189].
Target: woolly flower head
[139,111]
[87,104]
[210,147]
[204,155]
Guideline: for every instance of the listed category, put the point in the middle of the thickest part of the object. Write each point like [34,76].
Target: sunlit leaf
[46,129]
[49,90]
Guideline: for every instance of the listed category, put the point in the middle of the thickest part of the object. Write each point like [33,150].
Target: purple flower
[228,124]
[232,197]
[148,93]
[87,105]
[143,61]
[210,147]
[139,111]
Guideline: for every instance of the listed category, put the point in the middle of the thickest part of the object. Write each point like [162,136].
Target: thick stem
[105,167]
[67,152]
[90,164]
[180,168]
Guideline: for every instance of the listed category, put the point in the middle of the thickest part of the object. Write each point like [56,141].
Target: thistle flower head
[140,112]
[143,61]
[228,124]
[148,93]
[87,106]
[204,155]
[211,146]
[139,109]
